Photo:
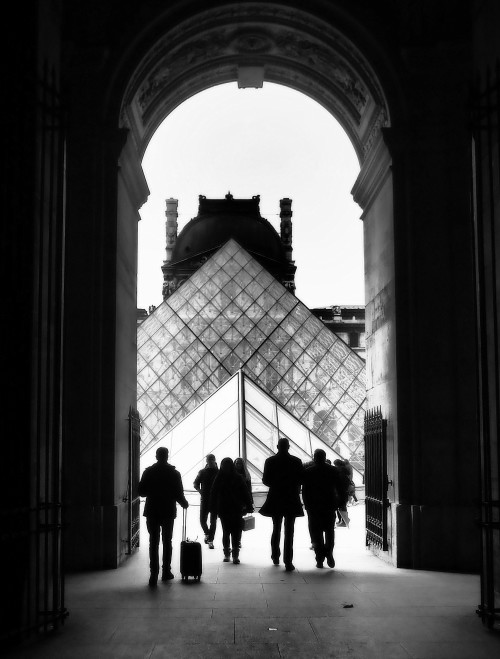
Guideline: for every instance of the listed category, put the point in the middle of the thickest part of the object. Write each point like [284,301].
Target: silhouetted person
[343,492]
[203,484]
[242,470]
[229,498]
[352,487]
[320,493]
[161,484]
[283,475]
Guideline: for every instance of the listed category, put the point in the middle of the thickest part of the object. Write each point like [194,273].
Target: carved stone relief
[375,129]
[283,45]
[295,48]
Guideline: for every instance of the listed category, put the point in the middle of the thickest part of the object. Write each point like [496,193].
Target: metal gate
[133,499]
[376,502]
[485,115]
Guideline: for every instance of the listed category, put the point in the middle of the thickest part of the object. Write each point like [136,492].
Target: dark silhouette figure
[343,492]
[228,499]
[352,498]
[320,493]
[283,475]
[161,484]
[242,470]
[203,484]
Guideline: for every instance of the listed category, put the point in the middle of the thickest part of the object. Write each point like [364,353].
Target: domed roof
[218,220]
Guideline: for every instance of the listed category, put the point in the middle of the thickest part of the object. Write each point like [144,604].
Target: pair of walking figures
[322,494]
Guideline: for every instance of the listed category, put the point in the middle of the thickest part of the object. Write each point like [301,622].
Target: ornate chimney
[171,230]
[171,226]
[286,226]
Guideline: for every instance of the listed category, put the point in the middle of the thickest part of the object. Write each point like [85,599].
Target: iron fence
[133,498]
[376,502]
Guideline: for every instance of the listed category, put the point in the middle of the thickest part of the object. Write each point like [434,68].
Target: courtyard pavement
[363,608]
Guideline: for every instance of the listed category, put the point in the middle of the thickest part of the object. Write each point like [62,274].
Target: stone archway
[253,43]
[413,184]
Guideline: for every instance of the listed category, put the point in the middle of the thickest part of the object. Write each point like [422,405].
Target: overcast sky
[273,142]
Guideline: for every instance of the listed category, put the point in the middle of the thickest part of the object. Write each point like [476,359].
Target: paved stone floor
[363,608]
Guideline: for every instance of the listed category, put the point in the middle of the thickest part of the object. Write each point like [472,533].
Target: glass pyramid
[239,419]
[231,314]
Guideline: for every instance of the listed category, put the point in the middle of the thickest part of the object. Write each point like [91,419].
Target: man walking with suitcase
[161,484]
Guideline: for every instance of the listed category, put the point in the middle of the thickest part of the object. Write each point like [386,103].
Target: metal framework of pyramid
[231,314]
[239,419]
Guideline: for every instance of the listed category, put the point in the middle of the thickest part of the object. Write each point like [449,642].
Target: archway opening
[320,63]
[273,142]
[302,53]
[276,142]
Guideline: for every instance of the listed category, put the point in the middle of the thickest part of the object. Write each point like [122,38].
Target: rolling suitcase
[191,564]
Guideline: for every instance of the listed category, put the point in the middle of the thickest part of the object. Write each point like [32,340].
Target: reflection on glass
[216,404]
[260,428]
[259,400]
[294,430]
[256,453]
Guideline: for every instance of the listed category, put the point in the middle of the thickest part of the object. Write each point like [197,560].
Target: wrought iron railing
[133,498]
[376,502]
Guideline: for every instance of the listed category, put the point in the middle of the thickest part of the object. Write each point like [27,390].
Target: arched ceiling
[269,43]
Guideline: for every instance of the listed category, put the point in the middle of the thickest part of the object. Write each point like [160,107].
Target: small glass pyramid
[231,314]
[239,419]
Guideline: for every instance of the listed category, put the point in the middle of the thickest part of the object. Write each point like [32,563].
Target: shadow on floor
[364,608]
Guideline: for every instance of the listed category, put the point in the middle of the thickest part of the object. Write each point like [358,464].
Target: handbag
[248,523]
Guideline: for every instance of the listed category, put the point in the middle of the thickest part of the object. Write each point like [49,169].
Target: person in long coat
[345,481]
[229,498]
[320,493]
[283,474]
[203,484]
[161,484]
[352,487]
[242,470]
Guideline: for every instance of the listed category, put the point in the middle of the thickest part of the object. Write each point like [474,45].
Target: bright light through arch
[274,142]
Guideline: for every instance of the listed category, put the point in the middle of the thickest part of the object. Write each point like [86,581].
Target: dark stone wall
[425,56]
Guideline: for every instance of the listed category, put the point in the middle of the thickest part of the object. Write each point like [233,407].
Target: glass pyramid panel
[233,314]
[217,424]
[213,427]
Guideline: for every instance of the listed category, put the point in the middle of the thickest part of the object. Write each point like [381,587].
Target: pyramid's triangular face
[213,427]
[233,314]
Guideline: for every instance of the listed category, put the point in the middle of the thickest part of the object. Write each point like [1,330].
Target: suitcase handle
[184,520]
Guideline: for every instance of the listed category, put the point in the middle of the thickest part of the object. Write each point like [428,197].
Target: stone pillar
[286,226]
